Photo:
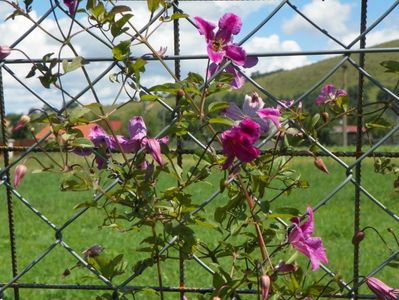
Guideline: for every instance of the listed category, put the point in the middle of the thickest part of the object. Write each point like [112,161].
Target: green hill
[293,83]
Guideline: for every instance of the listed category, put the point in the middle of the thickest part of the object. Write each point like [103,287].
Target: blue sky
[286,31]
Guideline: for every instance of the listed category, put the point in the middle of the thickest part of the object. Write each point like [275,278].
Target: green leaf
[76,180]
[122,50]
[380,123]
[216,106]
[391,66]
[178,16]
[119,9]
[78,113]
[315,119]
[117,27]
[76,63]
[82,143]
[153,5]
[148,97]
[221,121]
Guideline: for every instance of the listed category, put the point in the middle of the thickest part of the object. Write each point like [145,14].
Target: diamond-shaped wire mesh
[93,86]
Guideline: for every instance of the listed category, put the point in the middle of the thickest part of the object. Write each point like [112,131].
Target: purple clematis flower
[4,52]
[103,142]
[253,109]
[238,142]
[330,94]
[72,5]
[220,44]
[300,238]
[381,290]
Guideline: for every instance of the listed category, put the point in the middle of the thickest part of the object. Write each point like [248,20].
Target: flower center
[217,45]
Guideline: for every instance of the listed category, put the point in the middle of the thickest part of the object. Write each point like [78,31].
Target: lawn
[334,223]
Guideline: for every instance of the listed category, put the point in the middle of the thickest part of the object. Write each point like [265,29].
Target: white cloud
[272,44]
[330,15]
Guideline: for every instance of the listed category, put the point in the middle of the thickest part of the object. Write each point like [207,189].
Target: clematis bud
[358,237]
[381,290]
[180,93]
[325,116]
[4,52]
[21,123]
[216,298]
[319,163]
[20,172]
[265,285]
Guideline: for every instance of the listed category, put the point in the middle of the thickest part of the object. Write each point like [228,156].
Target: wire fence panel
[52,226]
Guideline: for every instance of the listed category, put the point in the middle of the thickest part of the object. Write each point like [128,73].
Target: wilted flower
[4,52]
[238,142]
[20,172]
[265,285]
[93,251]
[329,94]
[381,290]
[72,5]
[253,109]
[301,239]
[319,163]
[21,123]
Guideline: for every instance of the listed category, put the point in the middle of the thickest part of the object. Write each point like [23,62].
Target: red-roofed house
[85,129]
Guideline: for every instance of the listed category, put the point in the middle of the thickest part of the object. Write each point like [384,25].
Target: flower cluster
[330,94]
[220,46]
[137,140]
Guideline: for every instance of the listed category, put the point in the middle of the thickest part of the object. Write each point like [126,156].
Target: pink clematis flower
[20,172]
[300,238]
[102,141]
[329,94]
[238,142]
[381,290]
[4,52]
[72,5]
[139,139]
[253,109]
[220,44]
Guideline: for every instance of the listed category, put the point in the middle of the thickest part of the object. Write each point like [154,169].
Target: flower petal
[231,23]
[4,52]
[272,114]
[250,62]
[236,53]
[137,129]
[154,148]
[238,80]
[252,104]
[205,28]
[234,112]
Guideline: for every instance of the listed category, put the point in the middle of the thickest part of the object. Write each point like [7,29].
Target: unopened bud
[4,52]
[21,123]
[180,93]
[319,163]
[20,172]
[358,237]
[325,116]
[216,298]
[265,285]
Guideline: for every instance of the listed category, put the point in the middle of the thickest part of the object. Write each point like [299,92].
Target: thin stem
[259,234]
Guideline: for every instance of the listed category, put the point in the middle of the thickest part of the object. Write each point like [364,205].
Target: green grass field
[334,223]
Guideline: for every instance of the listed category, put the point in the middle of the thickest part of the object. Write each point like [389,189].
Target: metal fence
[352,170]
